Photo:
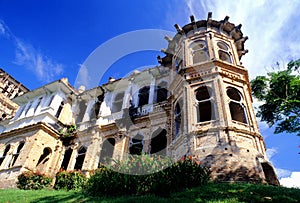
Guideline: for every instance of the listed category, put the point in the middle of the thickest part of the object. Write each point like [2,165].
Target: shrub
[181,175]
[33,181]
[73,180]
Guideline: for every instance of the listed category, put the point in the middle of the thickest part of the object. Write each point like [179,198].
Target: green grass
[221,193]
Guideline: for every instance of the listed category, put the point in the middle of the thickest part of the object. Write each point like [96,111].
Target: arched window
[7,148]
[236,106]
[80,158]
[178,117]
[199,52]
[16,154]
[67,157]
[118,102]
[136,145]
[162,92]
[44,158]
[144,96]
[205,107]
[107,150]
[96,107]
[159,142]
[224,52]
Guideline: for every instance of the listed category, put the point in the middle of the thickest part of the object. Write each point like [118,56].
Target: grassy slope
[209,193]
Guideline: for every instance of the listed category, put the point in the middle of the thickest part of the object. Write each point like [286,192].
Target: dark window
[144,96]
[107,150]
[159,142]
[161,92]
[37,105]
[44,158]
[236,106]
[80,158]
[81,108]
[16,155]
[136,145]
[29,106]
[7,148]
[118,102]
[178,117]
[66,160]
[205,107]
[199,52]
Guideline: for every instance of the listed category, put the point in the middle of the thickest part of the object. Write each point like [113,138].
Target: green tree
[280,93]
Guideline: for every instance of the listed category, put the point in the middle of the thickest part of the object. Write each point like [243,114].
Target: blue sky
[42,41]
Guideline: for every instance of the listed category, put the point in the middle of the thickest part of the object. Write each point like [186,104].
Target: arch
[143,96]
[66,160]
[107,150]
[17,153]
[236,106]
[60,108]
[80,158]
[136,145]
[162,91]
[224,51]
[44,158]
[199,52]
[205,107]
[178,117]
[270,174]
[159,142]
[118,102]
[6,150]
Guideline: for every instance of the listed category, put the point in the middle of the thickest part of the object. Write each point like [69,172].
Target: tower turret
[213,118]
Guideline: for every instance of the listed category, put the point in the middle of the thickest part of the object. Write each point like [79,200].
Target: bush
[181,175]
[73,180]
[33,181]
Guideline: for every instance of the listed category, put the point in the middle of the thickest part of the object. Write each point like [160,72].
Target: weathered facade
[197,103]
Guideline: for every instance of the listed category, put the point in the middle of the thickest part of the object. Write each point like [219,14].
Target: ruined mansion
[197,102]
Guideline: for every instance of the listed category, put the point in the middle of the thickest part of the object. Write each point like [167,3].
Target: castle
[196,103]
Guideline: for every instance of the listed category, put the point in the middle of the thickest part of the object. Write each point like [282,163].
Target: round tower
[213,120]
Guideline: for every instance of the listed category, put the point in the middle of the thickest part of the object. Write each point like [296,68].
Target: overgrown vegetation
[33,181]
[73,180]
[181,175]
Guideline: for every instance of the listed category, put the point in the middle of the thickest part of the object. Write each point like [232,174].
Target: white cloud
[271,26]
[270,152]
[282,173]
[44,68]
[292,181]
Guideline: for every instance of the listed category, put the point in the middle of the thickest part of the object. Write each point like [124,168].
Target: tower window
[118,102]
[199,52]
[236,106]
[159,142]
[144,96]
[136,145]
[205,108]
[178,117]
[224,52]
[80,158]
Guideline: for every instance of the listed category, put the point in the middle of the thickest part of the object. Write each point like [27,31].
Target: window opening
[159,142]
[144,96]
[118,102]
[199,52]
[236,106]
[66,160]
[136,145]
[107,150]
[80,158]
[205,108]
[7,148]
[224,52]
[16,155]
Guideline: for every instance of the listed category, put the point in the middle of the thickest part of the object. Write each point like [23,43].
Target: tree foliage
[280,93]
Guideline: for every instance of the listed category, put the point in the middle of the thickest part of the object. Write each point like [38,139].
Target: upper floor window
[205,107]
[236,106]
[136,145]
[162,92]
[60,108]
[144,96]
[28,108]
[16,154]
[81,108]
[118,102]
[38,103]
[178,117]
[96,107]
[199,52]
[224,52]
